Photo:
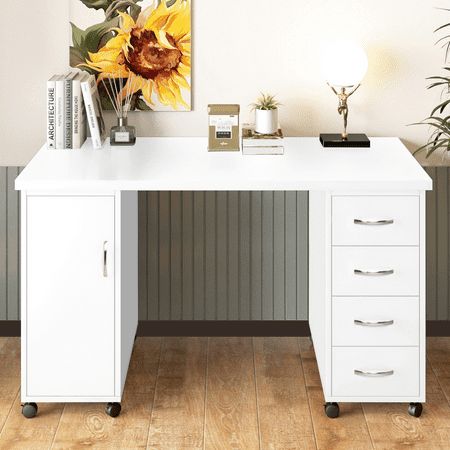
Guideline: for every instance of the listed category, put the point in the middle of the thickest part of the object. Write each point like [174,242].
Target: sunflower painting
[146,43]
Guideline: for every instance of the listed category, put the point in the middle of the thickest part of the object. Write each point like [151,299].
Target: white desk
[367,261]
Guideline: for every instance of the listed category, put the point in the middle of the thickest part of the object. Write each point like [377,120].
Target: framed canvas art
[142,46]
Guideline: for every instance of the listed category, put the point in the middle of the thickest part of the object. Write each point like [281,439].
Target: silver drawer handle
[105,259]
[373,222]
[373,373]
[373,273]
[376,323]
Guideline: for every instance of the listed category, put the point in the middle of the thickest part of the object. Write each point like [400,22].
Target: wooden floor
[225,393]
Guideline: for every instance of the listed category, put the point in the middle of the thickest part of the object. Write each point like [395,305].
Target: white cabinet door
[70,296]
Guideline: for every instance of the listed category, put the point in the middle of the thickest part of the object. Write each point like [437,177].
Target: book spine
[59,132]
[90,113]
[51,114]
[76,114]
[68,114]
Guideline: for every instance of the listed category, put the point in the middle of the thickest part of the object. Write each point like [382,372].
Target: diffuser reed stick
[120,92]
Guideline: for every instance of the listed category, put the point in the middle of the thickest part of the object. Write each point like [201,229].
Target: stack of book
[254,143]
[71,99]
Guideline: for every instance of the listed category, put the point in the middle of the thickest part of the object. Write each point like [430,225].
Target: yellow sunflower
[154,53]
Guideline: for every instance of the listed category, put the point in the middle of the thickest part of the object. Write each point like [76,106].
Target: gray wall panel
[227,255]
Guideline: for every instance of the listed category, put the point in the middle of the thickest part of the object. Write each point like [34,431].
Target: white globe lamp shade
[344,63]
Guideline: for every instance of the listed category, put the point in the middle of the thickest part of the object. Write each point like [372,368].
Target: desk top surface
[185,164]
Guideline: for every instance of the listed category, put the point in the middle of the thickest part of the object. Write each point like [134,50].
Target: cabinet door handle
[105,259]
[373,373]
[373,222]
[373,323]
[373,273]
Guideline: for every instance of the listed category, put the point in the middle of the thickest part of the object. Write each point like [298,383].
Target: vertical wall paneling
[187,252]
[3,243]
[142,255]
[267,257]
[244,256]
[222,255]
[279,260]
[438,245]
[233,255]
[210,256]
[302,255]
[176,224]
[256,255]
[153,255]
[13,245]
[290,251]
[9,245]
[199,255]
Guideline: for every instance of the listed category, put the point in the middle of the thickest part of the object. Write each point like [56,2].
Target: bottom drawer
[375,372]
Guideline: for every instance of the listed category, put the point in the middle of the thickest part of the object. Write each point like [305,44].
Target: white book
[263,150]
[51,112]
[94,111]
[78,111]
[59,93]
[68,109]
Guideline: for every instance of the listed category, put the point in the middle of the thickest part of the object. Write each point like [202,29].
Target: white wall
[239,49]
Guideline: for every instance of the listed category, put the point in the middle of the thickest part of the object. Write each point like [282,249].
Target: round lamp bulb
[344,63]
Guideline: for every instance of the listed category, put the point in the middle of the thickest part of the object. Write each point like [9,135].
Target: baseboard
[438,327]
[11,328]
[224,328]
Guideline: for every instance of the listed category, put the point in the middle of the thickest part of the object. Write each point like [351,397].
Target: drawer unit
[375,321]
[383,271]
[375,220]
[375,372]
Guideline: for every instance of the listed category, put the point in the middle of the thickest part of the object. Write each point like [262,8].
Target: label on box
[122,136]
[224,125]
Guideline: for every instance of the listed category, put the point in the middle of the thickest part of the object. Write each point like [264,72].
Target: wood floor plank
[438,354]
[231,414]
[311,374]
[33,434]
[284,416]
[392,428]
[179,407]
[350,431]
[87,425]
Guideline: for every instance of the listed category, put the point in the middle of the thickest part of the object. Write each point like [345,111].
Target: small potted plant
[266,114]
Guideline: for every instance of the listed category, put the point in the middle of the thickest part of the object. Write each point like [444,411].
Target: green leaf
[97,4]
[90,40]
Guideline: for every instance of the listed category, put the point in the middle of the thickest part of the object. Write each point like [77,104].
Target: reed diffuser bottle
[120,92]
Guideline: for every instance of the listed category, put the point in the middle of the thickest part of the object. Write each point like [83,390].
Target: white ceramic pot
[266,121]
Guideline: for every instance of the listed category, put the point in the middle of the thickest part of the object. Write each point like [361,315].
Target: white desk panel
[185,164]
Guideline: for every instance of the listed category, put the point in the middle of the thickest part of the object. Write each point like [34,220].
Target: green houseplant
[439,119]
[266,114]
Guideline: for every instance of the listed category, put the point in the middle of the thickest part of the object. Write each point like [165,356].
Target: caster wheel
[415,409]
[113,409]
[331,410]
[29,410]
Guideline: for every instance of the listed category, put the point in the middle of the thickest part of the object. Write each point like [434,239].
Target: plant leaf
[89,40]
[97,4]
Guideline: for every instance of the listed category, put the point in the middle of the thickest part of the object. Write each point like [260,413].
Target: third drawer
[375,321]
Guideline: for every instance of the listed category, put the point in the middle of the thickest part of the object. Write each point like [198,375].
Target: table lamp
[344,65]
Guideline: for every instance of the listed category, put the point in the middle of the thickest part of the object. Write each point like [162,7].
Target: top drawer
[375,220]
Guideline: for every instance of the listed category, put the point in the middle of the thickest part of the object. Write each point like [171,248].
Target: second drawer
[375,321]
[379,271]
